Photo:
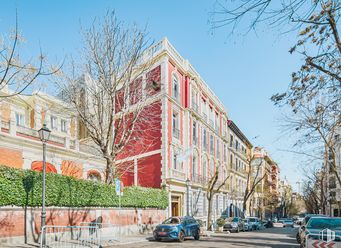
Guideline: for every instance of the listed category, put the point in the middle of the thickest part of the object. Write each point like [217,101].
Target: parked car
[247,226]
[303,224]
[177,228]
[255,223]
[288,223]
[316,225]
[234,224]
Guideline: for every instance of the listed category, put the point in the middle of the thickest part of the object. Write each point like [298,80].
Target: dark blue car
[177,228]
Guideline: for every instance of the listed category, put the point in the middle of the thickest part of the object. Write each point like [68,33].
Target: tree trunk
[209,214]
[108,171]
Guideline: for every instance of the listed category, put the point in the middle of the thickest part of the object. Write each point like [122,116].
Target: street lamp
[188,183]
[44,134]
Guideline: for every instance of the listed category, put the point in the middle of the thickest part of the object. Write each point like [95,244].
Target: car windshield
[288,221]
[172,220]
[235,219]
[252,219]
[322,223]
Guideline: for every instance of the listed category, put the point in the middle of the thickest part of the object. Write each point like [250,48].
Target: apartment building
[193,137]
[266,196]
[239,152]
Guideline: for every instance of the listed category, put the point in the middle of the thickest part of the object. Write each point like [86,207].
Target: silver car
[288,223]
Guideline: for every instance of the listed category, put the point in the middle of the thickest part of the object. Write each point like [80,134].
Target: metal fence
[107,231]
[70,237]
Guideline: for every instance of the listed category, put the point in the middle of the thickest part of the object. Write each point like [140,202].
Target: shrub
[24,187]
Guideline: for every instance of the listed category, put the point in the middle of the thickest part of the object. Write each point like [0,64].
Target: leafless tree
[317,124]
[16,74]
[214,185]
[255,176]
[313,192]
[114,91]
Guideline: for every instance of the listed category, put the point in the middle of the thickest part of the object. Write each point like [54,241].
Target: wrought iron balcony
[199,179]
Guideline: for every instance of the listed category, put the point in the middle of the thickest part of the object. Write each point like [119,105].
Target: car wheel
[181,236]
[237,231]
[197,236]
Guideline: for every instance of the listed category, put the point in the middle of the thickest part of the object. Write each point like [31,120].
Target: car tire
[181,236]
[197,236]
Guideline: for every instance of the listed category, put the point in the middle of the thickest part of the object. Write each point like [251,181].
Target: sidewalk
[128,240]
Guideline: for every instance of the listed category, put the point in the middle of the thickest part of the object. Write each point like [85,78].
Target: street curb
[127,242]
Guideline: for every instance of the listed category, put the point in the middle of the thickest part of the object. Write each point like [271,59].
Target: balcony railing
[176,174]
[211,123]
[199,179]
[176,133]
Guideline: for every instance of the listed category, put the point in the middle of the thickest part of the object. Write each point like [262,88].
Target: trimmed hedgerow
[23,188]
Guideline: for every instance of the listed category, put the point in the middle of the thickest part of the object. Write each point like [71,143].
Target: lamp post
[188,182]
[44,134]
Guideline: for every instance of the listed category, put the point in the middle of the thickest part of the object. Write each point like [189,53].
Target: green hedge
[23,188]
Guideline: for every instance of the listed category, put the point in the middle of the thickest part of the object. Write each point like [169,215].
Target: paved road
[277,237]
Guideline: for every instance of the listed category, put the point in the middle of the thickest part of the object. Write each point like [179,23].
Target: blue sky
[243,71]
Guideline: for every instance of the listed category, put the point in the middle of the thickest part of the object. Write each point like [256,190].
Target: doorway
[175,205]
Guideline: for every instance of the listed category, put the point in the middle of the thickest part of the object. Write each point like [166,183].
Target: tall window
[231,161]
[237,145]
[53,120]
[225,154]
[204,167]
[194,165]
[175,122]
[211,144]
[63,126]
[19,119]
[204,204]
[231,140]
[174,161]
[211,166]
[218,149]
[204,139]
[217,204]
[195,139]
[176,88]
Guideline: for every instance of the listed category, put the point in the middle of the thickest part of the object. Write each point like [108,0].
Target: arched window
[175,87]
[94,175]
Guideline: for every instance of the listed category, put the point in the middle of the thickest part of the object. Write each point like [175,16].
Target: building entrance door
[175,205]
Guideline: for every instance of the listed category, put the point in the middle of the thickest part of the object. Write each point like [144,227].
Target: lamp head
[44,133]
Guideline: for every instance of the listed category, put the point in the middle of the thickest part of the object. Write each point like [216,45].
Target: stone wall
[20,225]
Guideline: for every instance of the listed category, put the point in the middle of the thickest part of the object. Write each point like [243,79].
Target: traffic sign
[118,186]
